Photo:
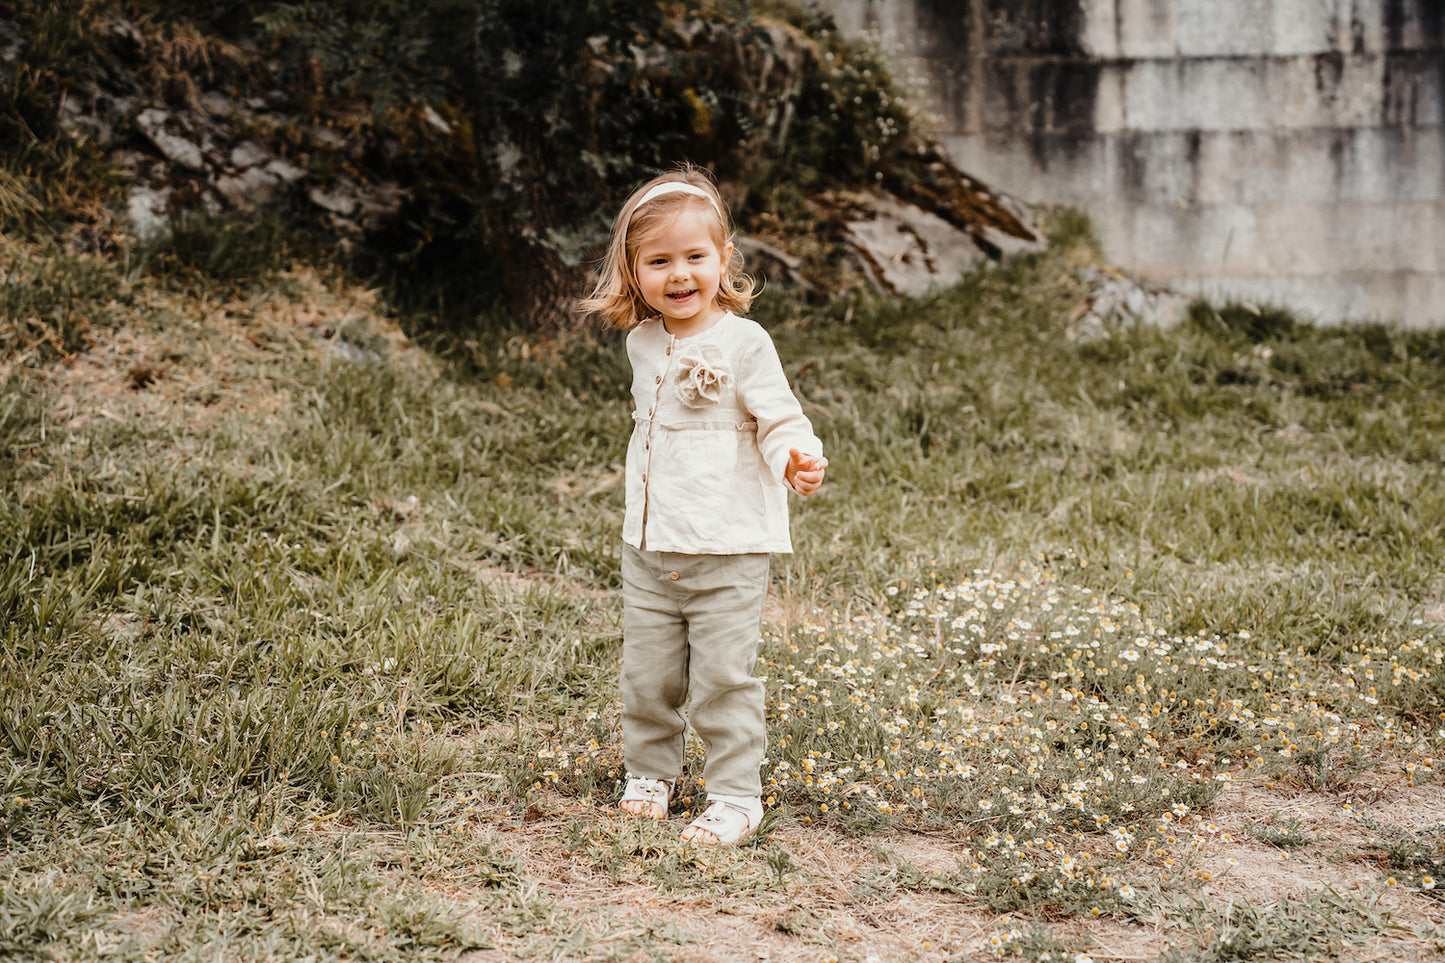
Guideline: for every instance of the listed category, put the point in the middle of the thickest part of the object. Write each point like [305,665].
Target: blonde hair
[616,296]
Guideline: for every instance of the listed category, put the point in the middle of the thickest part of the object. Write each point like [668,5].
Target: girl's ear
[727,253]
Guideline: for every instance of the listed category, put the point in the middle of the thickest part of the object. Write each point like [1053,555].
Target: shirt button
[669,349]
[672,575]
[658,379]
[649,412]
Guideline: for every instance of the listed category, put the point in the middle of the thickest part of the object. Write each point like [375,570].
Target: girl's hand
[804,472]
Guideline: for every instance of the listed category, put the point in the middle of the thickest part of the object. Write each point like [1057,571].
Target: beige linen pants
[690,628]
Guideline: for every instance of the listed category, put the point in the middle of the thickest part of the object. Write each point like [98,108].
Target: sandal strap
[716,818]
[649,790]
[711,814]
[750,806]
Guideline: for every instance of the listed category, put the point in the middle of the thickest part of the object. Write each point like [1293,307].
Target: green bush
[50,178]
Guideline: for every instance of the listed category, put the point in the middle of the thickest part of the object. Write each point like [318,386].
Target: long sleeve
[765,394]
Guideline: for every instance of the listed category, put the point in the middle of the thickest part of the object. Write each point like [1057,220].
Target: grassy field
[1121,648]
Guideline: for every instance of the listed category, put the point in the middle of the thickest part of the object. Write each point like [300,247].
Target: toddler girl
[717,441]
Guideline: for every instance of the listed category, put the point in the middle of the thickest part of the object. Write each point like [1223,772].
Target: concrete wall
[1285,151]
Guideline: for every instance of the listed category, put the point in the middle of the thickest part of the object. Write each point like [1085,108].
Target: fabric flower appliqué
[701,375]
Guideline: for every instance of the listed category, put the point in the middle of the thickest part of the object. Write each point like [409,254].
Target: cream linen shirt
[713,421]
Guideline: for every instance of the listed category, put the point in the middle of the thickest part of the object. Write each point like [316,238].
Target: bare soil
[823,908]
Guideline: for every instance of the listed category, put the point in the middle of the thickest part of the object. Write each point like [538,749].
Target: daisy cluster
[1037,945]
[989,705]
[1400,676]
[1054,729]
[1043,879]
[580,770]
[1017,708]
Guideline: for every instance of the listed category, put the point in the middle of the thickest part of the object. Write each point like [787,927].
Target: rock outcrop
[211,150]
[200,140]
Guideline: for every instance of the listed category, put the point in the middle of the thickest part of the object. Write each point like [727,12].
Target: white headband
[677,187]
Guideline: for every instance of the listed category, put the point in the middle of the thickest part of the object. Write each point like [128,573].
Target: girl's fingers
[807,462]
[807,482]
[805,472]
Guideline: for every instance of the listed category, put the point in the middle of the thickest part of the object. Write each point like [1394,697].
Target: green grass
[303,632]
[1325,925]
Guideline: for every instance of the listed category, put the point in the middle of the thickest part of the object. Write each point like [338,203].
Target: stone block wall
[1276,151]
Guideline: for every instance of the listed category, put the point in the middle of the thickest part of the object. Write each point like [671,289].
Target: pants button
[672,575]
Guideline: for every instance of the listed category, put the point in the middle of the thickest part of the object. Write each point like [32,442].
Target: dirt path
[836,899]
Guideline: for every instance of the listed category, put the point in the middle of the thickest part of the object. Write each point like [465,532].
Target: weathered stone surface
[238,172]
[171,137]
[289,173]
[774,262]
[93,114]
[905,249]
[248,153]
[11,44]
[326,137]
[216,104]
[206,150]
[1225,147]
[337,202]
[353,209]
[146,210]
[251,188]
[1113,298]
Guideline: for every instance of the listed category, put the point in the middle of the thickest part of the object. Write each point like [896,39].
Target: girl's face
[679,271]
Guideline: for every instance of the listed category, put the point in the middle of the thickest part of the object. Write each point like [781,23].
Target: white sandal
[655,792]
[728,822]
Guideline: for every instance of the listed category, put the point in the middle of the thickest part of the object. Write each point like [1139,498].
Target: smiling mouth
[681,295]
